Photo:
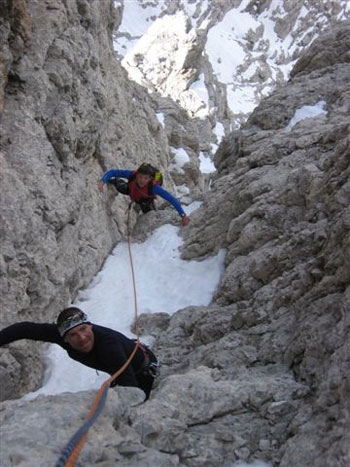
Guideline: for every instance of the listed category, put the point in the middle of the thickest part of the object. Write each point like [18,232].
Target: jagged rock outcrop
[280,206]
[266,38]
[262,373]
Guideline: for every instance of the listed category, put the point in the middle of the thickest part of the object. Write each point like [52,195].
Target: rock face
[68,114]
[262,373]
[280,206]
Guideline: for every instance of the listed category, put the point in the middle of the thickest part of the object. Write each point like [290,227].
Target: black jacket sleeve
[35,331]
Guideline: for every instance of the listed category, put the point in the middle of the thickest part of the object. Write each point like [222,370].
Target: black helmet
[69,318]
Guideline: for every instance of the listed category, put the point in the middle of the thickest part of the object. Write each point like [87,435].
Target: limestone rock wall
[68,114]
[280,206]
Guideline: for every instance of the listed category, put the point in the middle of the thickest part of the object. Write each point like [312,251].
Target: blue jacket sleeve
[115,173]
[158,190]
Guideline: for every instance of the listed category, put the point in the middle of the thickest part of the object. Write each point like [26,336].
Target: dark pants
[121,185]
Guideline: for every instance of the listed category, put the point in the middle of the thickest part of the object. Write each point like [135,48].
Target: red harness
[139,194]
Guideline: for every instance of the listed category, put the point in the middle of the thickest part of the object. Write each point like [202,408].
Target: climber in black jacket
[94,346]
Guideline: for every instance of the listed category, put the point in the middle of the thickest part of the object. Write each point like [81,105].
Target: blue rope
[67,451]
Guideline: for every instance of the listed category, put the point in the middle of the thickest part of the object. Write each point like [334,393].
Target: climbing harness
[151,365]
[71,452]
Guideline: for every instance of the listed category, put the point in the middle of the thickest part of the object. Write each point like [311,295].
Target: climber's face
[142,180]
[81,338]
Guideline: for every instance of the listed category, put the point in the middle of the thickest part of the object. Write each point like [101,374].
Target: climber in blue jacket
[143,186]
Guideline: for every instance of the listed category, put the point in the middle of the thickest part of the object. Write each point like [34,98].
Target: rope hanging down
[71,451]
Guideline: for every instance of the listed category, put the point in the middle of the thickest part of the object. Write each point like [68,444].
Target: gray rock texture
[280,206]
[263,372]
[68,114]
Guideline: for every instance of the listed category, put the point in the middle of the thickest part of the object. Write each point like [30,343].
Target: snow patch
[307,111]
